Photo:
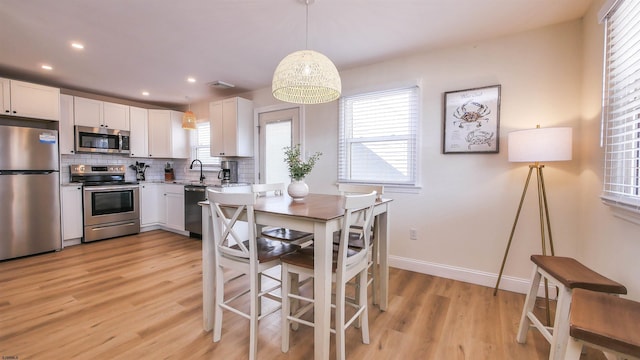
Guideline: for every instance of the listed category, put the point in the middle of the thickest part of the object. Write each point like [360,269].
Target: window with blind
[621,110]
[202,148]
[378,137]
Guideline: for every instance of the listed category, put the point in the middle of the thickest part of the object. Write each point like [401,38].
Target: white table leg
[323,245]
[383,245]
[208,269]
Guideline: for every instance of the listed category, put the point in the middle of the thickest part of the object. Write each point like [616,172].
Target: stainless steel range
[111,204]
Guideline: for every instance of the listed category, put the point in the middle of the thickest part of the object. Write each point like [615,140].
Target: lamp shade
[306,77]
[189,120]
[540,145]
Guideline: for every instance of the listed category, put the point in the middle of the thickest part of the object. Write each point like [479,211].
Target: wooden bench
[567,274]
[605,322]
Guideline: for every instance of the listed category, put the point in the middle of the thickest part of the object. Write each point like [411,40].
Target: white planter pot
[298,189]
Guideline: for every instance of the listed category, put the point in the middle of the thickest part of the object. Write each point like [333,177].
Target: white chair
[251,257]
[279,233]
[354,242]
[348,263]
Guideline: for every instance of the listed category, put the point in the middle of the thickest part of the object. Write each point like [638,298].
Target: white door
[278,129]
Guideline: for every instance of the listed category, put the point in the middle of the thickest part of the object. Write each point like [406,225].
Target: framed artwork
[472,120]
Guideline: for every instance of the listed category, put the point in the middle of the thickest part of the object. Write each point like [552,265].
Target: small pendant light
[189,120]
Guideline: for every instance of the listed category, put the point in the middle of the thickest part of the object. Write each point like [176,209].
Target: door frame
[256,134]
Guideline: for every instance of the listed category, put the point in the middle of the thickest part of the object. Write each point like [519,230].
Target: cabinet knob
[7,111]
[15,112]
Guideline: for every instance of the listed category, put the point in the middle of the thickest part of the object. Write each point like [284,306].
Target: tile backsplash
[155,172]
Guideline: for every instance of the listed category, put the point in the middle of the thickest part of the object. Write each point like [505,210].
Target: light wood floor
[140,297]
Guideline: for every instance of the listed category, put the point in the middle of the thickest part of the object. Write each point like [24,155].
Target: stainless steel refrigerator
[29,191]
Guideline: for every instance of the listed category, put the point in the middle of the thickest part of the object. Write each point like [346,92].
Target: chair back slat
[345,189]
[274,189]
[226,211]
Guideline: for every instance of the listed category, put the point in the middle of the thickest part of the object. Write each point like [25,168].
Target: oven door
[110,204]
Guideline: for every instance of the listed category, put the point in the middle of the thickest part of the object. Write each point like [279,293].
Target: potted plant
[298,170]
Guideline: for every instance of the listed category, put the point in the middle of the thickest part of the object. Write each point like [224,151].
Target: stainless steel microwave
[101,140]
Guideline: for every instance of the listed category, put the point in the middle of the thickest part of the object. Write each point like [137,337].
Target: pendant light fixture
[306,76]
[189,120]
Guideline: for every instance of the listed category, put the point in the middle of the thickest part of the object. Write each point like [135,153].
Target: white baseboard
[508,283]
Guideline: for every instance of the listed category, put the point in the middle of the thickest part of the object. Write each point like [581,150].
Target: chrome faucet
[191,167]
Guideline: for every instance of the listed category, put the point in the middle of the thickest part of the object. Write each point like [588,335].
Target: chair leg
[219,299]
[561,324]
[529,303]
[340,316]
[294,304]
[254,279]
[364,316]
[285,288]
[574,349]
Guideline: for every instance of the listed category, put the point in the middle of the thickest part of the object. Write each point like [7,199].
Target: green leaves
[298,169]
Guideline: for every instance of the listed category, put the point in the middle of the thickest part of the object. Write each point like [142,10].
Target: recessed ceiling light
[77,45]
[145,93]
[191,79]
[47,67]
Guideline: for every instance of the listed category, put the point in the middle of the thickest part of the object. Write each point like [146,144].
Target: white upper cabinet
[139,127]
[166,137]
[231,127]
[66,135]
[30,100]
[95,113]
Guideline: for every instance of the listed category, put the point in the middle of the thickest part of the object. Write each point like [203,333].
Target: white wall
[607,243]
[465,209]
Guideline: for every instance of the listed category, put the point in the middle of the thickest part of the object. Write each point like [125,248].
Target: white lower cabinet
[174,206]
[150,200]
[71,196]
[162,206]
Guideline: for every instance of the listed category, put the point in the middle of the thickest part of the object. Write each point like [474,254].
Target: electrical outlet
[413,234]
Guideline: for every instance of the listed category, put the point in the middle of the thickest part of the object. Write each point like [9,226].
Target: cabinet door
[71,212]
[179,137]
[174,206]
[35,101]
[66,125]
[5,96]
[115,116]
[159,134]
[138,126]
[87,112]
[229,126]
[150,204]
[216,128]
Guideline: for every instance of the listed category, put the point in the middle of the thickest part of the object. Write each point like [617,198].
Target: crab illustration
[479,137]
[471,112]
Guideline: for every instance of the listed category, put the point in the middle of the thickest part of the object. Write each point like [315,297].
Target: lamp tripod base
[545,226]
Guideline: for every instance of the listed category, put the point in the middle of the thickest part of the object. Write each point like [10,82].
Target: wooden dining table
[321,215]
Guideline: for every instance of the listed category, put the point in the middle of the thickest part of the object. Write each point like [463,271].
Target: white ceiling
[154,45]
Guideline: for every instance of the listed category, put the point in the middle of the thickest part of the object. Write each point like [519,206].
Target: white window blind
[621,111]
[202,149]
[378,137]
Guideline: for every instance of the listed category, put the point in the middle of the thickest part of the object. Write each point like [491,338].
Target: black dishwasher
[192,211]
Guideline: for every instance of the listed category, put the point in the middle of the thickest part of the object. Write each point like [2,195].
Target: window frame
[206,165]
[413,139]
[620,171]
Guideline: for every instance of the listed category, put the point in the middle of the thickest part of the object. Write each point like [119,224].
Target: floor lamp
[536,146]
